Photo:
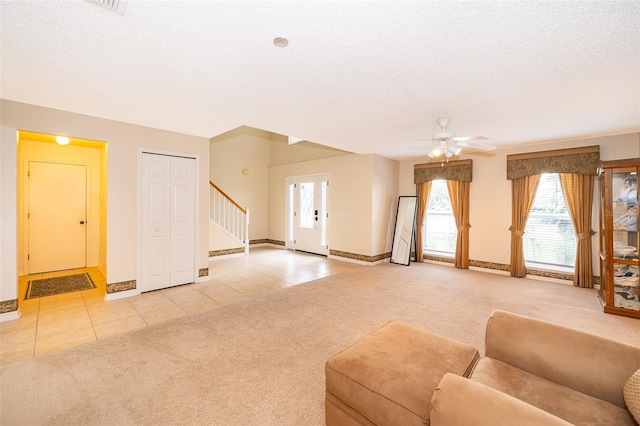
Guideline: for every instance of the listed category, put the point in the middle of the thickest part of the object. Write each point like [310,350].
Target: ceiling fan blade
[420,140]
[469,138]
[475,145]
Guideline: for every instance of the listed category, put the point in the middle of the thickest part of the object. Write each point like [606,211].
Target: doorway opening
[307,218]
[62,204]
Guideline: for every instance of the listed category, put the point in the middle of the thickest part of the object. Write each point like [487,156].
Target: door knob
[82,222]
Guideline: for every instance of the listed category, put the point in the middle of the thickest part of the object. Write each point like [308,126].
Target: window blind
[440,231]
[549,237]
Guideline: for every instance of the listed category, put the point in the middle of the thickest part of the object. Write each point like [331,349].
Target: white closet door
[182,220]
[167,221]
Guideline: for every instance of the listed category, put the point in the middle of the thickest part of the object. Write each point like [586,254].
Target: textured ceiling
[361,76]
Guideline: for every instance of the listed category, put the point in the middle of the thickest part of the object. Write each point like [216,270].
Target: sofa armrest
[583,362]
[461,401]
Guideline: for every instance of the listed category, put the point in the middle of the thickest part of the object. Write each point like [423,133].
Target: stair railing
[232,217]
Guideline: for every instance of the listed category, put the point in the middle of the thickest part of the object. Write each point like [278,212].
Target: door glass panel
[624,207]
[290,212]
[323,210]
[307,190]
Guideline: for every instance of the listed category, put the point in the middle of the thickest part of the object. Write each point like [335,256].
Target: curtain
[578,192]
[459,195]
[422,191]
[523,191]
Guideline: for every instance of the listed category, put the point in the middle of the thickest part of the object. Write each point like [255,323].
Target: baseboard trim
[121,295]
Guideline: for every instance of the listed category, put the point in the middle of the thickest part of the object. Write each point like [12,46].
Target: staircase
[229,215]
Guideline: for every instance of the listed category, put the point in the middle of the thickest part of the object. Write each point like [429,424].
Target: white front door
[307,217]
[56,216]
[168,213]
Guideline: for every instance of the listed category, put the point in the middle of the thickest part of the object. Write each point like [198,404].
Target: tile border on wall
[7,306]
[225,252]
[506,268]
[360,257]
[121,286]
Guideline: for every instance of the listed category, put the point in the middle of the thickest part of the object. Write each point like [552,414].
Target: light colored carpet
[261,361]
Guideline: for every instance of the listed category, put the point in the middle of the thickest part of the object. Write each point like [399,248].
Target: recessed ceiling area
[365,77]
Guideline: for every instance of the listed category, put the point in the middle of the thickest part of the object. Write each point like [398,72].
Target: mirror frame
[405,227]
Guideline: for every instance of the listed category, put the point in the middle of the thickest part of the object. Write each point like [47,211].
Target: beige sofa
[533,373]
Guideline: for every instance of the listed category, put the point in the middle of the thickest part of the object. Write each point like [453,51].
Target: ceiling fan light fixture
[449,152]
[446,143]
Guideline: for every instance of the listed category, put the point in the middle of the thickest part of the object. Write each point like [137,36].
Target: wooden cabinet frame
[615,245]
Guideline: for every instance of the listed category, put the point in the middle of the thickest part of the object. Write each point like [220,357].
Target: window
[549,237]
[440,230]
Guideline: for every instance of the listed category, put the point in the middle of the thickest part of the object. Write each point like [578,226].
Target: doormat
[58,285]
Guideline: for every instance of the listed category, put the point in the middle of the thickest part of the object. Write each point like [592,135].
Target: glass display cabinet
[618,221]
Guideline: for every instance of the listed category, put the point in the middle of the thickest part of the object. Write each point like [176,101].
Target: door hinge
[28,256]
[29,173]
[28,215]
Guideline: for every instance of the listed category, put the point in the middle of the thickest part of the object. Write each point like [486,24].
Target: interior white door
[183,220]
[167,221]
[310,214]
[56,216]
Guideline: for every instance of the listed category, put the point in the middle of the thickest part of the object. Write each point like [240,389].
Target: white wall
[490,201]
[243,149]
[353,201]
[384,204]
[254,150]
[123,141]
[283,153]
[221,239]
[8,215]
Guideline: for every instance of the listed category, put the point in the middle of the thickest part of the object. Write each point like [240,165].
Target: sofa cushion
[461,401]
[632,394]
[561,401]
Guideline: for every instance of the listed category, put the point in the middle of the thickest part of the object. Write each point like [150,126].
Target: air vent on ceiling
[118,6]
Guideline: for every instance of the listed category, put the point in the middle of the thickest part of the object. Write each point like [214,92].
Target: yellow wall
[30,149]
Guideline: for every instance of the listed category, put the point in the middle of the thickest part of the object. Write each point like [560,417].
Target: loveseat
[533,372]
[572,376]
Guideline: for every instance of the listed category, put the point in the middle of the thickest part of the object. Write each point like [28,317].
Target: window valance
[581,161]
[460,170]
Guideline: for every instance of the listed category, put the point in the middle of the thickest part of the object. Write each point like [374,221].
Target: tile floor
[53,323]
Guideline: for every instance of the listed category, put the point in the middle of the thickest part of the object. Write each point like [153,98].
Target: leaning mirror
[403,233]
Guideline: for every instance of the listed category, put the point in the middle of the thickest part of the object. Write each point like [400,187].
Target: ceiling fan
[447,144]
